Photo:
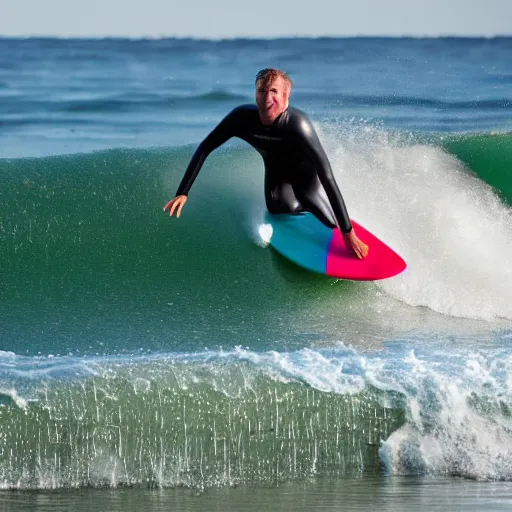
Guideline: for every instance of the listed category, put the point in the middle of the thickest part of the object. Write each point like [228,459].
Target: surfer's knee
[282,199]
[315,203]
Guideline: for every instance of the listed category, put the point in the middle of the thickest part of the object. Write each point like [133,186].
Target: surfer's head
[273,88]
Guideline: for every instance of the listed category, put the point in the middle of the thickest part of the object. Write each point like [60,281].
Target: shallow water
[387,493]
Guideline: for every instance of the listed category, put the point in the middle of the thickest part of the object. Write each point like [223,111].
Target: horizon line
[250,37]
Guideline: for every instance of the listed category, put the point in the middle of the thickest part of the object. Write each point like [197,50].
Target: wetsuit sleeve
[219,135]
[310,143]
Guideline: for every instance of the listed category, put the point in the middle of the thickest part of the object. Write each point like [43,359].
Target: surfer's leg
[314,199]
[281,199]
[306,194]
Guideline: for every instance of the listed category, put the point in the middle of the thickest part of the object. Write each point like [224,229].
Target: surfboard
[304,240]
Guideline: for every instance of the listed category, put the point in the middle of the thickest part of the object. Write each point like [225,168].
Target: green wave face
[88,254]
[91,263]
[489,156]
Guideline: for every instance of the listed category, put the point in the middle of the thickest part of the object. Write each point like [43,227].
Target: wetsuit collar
[281,117]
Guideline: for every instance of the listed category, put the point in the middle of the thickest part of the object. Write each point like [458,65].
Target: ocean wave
[219,95]
[89,255]
[489,155]
[179,421]
[216,418]
[497,104]
[119,103]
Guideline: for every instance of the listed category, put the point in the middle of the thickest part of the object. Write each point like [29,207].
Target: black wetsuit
[297,172]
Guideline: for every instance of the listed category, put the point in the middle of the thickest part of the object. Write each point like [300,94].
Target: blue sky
[263,18]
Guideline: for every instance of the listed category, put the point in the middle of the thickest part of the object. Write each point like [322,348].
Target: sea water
[155,362]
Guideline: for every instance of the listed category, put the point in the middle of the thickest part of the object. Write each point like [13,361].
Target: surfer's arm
[310,143]
[220,134]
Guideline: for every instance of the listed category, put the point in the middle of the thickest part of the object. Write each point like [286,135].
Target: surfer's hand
[360,248]
[176,204]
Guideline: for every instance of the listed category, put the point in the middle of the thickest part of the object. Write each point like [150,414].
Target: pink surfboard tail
[380,263]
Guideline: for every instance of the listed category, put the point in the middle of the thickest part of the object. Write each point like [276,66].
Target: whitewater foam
[451,228]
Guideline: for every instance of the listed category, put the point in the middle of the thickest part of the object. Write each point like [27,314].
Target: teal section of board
[301,238]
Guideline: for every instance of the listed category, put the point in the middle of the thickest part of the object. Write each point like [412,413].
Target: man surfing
[298,175]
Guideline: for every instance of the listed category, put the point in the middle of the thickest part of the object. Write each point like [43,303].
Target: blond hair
[268,75]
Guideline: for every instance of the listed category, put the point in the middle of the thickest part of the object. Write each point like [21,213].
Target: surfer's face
[272,98]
